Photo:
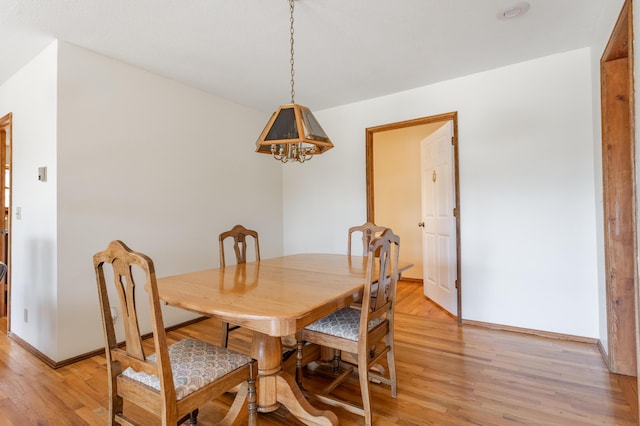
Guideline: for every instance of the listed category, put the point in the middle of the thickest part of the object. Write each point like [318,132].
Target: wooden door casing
[5,161]
[618,174]
[370,174]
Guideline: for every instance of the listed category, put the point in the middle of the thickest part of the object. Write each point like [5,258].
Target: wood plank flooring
[447,375]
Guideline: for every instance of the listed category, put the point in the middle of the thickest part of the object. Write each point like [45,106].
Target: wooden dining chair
[239,234]
[368,230]
[176,379]
[356,331]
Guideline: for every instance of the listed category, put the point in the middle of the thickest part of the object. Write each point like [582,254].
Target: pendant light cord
[293,92]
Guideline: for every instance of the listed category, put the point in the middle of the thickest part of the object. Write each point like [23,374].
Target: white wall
[140,158]
[163,167]
[526,187]
[31,96]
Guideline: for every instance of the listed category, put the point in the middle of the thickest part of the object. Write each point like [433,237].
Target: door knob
[421,224]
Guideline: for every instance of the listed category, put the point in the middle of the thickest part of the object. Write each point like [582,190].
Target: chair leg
[336,362]
[253,402]
[225,334]
[299,366]
[193,418]
[363,375]
[391,363]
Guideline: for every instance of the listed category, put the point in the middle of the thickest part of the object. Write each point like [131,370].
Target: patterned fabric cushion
[194,364]
[344,323]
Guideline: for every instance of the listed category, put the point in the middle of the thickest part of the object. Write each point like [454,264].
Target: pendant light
[293,133]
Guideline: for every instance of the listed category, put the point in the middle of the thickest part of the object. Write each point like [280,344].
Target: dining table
[274,298]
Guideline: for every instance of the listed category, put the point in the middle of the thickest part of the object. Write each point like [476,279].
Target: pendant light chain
[293,92]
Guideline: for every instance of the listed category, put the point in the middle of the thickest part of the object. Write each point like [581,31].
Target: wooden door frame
[6,127]
[369,136]
[619,195]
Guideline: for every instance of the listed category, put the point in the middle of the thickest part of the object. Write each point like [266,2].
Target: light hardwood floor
[447,375]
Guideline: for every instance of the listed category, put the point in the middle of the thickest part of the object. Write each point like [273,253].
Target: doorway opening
[393,157]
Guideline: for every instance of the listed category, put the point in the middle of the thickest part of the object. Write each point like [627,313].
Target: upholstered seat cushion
[194,364]
[344,323]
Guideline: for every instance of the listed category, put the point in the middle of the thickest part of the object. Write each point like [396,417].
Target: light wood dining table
[274,298]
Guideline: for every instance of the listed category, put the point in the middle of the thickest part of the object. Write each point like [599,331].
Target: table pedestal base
[277,387]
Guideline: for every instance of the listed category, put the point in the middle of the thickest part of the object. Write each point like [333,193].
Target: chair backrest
[123,261]
[369,231]
[379,294]
[239,234]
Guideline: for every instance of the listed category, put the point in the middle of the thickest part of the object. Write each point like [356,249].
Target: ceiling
[345,50]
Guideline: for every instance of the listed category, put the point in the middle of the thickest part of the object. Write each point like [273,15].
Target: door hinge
[457,284]
[453,140]
[455,212]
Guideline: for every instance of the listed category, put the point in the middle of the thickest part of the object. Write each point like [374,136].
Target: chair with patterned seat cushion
[174,380]
[239,235]
[356,331]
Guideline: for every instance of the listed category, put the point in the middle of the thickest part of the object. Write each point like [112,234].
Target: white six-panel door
[438,220]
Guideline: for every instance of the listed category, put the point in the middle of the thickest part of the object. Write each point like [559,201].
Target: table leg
[277,387]
[290,395]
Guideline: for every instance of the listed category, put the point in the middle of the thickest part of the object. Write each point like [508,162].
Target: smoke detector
[513,11]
